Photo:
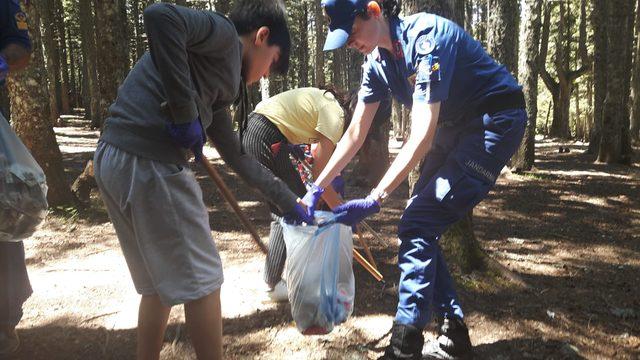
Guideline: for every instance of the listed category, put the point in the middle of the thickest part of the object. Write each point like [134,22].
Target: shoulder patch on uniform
[425,44]
[21,21]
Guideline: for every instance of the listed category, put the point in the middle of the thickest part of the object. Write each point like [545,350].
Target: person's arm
[349,144]
[249,169]
[321,152]
[173,33]
[423,130]
[17,56]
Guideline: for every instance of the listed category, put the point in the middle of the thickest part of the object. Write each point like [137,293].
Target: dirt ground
[569,230]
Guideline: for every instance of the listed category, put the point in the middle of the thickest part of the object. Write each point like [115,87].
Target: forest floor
[569,230]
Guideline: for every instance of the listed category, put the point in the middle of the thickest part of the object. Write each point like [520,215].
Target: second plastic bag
[23,189]
[319,274]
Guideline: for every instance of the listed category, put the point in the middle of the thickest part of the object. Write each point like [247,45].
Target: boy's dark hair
[347,101]
[250,15]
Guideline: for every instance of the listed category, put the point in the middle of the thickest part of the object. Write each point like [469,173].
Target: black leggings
[257,141]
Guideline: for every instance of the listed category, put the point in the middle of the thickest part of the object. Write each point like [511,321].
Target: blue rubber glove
[338,185]
[4,69]
[311,199]
[354,211]
[189,136]
[297,216]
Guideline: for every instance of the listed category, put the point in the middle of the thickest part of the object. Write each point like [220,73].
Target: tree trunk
[64,67]
[29,106]
[459,238]
[600,54]
[320,38]
[613,123]
[562,87]
[635,85]
[398,129]
[304,46]
[502,40]
[223,6]
[53,61]
[373,159]
[112,39]
[89,53]
[73,85]
[524,158]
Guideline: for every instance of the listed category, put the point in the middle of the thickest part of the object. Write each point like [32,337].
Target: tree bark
[320,38]
[29,108]
[599,24]
[373,159]
[223,6]
[613,123]
[635,85]
[524,158]
[62,47]
[112,39]
[304,45]
[502,40]
[89,53]
[52,60]
[561,88]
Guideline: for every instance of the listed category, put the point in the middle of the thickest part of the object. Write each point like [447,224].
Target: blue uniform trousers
[458,172]
[15,287]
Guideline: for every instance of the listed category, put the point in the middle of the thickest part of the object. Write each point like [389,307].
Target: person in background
[299,116]
[15,288]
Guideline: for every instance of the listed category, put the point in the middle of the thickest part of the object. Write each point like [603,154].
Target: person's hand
[189,136]
[297,215]
[311,199]
[354,211]
[4,69]
[338,185]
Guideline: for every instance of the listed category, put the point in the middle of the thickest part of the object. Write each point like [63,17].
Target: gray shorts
[162,225]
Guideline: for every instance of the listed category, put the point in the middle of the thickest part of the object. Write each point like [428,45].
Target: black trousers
[15,287]
[260,140]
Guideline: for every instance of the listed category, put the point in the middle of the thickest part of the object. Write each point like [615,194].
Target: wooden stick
[364,244]
[231,200]
[365,264]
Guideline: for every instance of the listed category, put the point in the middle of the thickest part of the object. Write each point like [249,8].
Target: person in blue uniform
[15,50]
[468,119]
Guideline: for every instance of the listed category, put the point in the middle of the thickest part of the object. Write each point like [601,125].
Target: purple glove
[4,69]
[338,185]
[354,211]
[297,216]
[188,136]
[311,199]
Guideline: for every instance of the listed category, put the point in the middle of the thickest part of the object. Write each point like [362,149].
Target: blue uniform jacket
[13,24]
[434,60]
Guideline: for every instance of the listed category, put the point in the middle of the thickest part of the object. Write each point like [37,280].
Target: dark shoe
[452,343]
[9,343]
[406,343]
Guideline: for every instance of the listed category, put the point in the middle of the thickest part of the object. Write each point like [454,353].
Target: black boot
[452,343]
[406,343]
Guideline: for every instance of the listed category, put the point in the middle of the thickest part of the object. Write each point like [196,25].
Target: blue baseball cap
[340,15]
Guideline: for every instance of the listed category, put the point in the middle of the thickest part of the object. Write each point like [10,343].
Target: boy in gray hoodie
[197,64]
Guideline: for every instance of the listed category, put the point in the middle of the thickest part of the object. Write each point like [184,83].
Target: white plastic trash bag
[23,189]
[319,274]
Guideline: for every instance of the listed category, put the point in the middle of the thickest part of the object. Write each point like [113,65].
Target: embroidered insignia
[21,21]
[425,45]
[435,68]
